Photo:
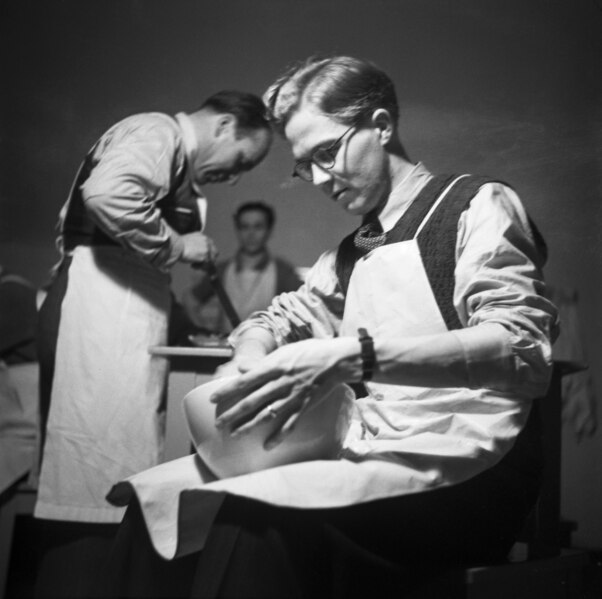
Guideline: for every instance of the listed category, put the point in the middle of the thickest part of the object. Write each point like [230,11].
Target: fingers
[227,369]
[285,412]
[247,363]
[280,433]
[243,385]
[247,406]
[268,413]
[198,249]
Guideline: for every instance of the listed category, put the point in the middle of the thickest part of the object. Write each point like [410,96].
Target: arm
[499,295]
[505,344]
[133,166]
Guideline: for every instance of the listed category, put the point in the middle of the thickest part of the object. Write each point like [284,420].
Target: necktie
[369,236]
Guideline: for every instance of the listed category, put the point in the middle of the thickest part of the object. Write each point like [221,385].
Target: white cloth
[407,439]
[105,421]
[249,289]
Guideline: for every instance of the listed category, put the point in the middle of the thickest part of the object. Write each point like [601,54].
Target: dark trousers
[73,558]
[396,547]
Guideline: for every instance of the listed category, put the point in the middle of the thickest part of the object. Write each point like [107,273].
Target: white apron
[105,422]
[404,441]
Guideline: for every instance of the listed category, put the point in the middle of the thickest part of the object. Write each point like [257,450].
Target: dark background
[508,88]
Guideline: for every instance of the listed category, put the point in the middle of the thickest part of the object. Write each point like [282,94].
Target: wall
[507,88]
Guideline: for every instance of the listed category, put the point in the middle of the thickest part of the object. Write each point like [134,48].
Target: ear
[383,125]
[225,124]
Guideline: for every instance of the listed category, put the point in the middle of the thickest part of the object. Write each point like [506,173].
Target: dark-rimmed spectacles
[322,157]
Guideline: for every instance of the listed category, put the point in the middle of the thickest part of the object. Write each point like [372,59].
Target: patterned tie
[369,236]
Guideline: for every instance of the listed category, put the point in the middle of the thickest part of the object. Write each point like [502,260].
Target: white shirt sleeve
[315,310]
[133,170]
[500,296]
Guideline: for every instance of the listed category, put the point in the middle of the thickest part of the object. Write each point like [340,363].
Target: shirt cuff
[175,250]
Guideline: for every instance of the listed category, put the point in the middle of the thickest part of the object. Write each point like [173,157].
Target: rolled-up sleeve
[500,296]
[315,310]
[132,171]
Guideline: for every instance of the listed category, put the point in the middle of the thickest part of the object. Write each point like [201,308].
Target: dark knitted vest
[437,239]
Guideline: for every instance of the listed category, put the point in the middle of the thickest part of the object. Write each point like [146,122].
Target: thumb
[246,363]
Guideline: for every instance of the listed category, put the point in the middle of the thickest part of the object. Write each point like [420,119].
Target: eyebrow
[307,155]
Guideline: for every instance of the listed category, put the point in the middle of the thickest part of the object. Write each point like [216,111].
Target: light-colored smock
[106,418]
[249,289]
[405,439]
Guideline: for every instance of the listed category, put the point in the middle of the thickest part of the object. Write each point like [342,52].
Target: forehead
[308,129]
[252,216]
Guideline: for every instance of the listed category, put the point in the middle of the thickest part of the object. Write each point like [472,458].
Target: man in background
[251,278]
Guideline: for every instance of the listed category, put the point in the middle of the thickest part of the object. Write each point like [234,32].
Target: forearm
[475,357]
[137,225]
[441,360]
[254,341]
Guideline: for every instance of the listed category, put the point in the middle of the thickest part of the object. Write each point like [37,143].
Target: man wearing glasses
[437,305]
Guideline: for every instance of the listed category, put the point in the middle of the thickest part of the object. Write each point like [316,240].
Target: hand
[247,356]
[198,248]
[286,382]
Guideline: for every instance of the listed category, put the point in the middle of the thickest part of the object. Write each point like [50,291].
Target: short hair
[343,88]
[268,211]
[247,108]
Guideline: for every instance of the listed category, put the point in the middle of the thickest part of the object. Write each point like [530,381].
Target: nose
[320,175]
[233,179]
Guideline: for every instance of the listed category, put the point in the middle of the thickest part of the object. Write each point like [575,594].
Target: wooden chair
[537,566]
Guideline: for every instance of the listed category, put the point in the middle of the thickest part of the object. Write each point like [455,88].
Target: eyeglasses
[322,157]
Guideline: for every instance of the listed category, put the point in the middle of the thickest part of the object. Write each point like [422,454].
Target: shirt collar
[191,148]
[261,264]
[189,141]
[403,195]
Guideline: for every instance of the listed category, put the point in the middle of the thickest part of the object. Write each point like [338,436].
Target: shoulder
[145,121]
[153,130]
[497,215]
[498,200]
[147,146]
[475,197]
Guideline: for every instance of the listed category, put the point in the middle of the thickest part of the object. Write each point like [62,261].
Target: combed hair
[270,216]
[248,108]
[343,88]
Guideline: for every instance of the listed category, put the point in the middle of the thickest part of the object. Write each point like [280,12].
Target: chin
[357,208]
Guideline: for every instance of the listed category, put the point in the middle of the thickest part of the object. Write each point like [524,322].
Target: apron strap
[435,225]
[404,229]
[437,242]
